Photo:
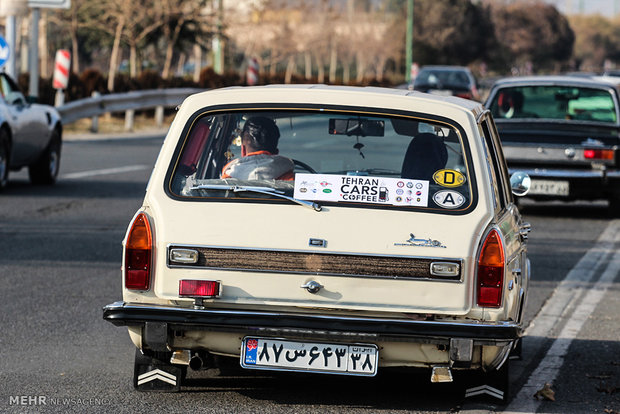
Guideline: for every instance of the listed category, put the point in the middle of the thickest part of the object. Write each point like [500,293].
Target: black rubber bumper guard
[131,314]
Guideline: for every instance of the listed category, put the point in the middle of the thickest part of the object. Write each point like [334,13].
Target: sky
[605,8]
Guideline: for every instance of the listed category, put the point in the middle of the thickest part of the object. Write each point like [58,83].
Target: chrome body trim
[398,256]
[412,241]
[437,258]
[481,115]
[564,173]
[560,153]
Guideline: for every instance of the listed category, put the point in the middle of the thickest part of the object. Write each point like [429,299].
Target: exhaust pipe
[195,362]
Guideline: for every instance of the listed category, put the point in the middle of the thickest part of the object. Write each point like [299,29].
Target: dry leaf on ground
[545,393]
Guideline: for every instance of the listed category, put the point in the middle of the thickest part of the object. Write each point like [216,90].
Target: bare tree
[179,16]
[533,32]
[146,18]
[73,20]
[110,17]
[322,36]
[270,32]
[596,39]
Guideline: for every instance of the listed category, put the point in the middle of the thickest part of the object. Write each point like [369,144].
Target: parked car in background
[447,80]
[30,136]
[327,229]
[564,132]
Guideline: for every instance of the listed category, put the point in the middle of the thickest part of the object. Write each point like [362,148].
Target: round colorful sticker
[448,199]
[449,178]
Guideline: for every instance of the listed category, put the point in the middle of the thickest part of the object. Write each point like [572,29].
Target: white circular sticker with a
[448,199]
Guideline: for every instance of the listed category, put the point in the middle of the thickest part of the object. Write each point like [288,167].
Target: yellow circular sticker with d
[449,178]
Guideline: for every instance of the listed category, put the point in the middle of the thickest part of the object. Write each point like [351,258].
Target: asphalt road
[60,253]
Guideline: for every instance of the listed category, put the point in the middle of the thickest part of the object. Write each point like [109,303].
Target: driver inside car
[259,154]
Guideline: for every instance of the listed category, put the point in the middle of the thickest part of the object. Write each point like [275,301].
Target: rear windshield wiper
[261,190]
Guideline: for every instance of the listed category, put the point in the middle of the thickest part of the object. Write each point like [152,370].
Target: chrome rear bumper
[310,325]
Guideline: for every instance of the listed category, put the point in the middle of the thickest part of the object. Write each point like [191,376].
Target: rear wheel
[45,170]
[517,351]
[614,205]
[4,159]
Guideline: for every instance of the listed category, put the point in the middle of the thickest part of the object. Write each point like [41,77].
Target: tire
[614,206]
[517,351]
[4,159]
[45,170]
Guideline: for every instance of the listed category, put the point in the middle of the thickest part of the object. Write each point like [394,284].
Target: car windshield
[554,102]
[323,156]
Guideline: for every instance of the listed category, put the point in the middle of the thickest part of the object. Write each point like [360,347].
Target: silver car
[30,136]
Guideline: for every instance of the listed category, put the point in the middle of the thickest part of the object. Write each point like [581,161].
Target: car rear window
[343,157]
[554,102]
[443,77]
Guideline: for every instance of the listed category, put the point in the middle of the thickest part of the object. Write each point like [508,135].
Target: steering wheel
[304,166]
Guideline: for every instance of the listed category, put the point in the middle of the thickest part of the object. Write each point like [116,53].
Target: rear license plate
[549,187]
[279,354]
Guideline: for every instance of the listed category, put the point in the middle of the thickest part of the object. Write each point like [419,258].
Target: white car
[327,229]
[30,136]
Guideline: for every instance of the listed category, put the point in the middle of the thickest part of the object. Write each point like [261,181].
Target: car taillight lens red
[491,271]
[598,154]
[199,288]
[138,251]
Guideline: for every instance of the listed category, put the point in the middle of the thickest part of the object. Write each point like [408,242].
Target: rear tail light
[138,250]
[199,288]
[598,154]
[491,271]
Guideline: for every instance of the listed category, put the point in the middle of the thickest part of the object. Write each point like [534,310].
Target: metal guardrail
[128,102]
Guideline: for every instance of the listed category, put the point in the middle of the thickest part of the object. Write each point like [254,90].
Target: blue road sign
[5,51]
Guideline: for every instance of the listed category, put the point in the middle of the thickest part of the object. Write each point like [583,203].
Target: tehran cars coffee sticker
[449,178]
[361,189]
[448,199]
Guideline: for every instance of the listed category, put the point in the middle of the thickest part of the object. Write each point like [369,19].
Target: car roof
[552,80]
[319,94]
[446,67]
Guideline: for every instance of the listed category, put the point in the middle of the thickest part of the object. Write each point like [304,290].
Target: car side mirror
[520,183]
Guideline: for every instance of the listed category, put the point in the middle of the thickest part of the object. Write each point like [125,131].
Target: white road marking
[105,171]
[575,296]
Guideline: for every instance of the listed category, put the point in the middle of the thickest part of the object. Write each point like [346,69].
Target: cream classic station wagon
[327,229]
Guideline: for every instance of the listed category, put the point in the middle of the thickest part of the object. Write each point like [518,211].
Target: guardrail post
[94,126]
[159,116]
[129,119]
